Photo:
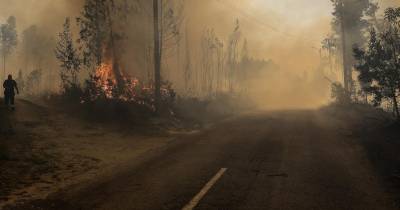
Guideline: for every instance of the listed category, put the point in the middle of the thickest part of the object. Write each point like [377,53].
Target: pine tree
[8,39]
[68,56]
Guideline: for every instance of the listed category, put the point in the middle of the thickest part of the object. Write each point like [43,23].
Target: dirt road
[282,160]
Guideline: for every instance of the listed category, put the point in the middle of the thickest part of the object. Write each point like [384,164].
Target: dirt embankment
[383,146]
[43,150]
[380,135]
[49,144]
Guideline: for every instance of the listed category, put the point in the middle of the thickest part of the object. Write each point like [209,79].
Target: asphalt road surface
[282,160]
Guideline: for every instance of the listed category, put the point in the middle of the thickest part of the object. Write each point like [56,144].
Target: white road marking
[193,203]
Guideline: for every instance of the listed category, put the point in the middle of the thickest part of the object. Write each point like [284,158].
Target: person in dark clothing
[9,91]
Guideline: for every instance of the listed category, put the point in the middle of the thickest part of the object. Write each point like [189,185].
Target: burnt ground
[383,146]
[23,160]
[333,158]
[44,150]
[379,135]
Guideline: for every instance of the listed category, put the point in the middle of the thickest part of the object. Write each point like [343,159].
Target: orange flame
[107,81]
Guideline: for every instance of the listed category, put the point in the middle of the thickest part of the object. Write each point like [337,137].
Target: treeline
[351,20]
[91,64]
[27,55]
[204,67]
[378,62]
[365,48]
[225,65]
[107,52]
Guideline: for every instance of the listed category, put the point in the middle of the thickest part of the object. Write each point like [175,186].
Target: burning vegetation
[105,85]
[99,52]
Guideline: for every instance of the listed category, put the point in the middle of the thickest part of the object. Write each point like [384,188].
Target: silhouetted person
[9,91]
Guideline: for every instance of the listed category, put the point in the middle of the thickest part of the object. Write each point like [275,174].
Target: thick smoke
[287,34]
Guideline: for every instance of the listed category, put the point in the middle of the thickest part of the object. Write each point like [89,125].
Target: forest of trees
[351,20]
[378,63]
[143,52]
[365,47]
[99,50]
[130,51]
[32,49]
[8,39]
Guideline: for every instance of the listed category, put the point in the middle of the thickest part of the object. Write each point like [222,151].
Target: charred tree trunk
[157,55]
[396,105]
[4,67]
[347,74]
[188,64]
[114,57]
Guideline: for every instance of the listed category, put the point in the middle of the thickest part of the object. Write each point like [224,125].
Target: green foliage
[392,15]
[68,56]
[379,63]
[98,25]
[95,29]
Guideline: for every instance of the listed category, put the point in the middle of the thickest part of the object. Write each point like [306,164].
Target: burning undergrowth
[110,94]
[112,84]
[99,50]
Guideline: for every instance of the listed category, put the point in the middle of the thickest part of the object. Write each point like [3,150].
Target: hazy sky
[274,28]
[287,31]
[48,14]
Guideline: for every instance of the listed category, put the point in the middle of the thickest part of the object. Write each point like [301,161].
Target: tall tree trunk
[114,57]
[346,68]
[395,105]
[157,56]
[4,66]
[188,64]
